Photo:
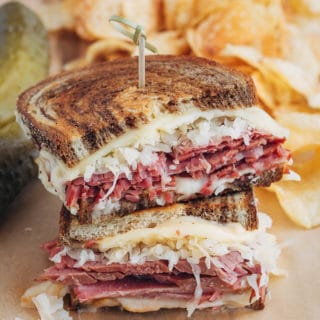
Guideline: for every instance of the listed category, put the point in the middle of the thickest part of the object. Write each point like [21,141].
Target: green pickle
[17,166]
[24,60]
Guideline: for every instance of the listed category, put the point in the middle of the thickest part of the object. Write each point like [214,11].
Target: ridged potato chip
[288,83]
[240,22]
[301,200]
[304,129]
[91,17]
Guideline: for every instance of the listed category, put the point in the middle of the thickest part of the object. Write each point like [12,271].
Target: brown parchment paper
[33,219]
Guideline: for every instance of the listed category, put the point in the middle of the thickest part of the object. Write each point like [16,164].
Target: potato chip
[276,89]
[304,7]
[301,200]
[300,65]
[304,129]
[310,28]
[91,17]
[264,91]
[239,22]
[144,12]
[297,78]
[304,50]
[290,83]
[108,49]
[299,50]
[178,13]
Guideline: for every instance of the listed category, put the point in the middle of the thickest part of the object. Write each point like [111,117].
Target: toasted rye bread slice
[236,207]
[76,113]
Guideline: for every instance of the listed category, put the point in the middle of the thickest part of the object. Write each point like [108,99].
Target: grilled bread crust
[76,113]
[236,207]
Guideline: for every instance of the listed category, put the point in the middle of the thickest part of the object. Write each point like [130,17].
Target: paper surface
[33,219]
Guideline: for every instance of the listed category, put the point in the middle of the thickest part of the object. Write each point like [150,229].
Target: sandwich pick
[139,37]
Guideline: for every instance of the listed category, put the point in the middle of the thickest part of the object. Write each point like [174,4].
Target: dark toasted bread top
[96,104]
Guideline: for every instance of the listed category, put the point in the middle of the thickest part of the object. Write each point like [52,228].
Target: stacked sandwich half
[156,184]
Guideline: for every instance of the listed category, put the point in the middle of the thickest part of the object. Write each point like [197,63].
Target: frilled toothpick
[139,37]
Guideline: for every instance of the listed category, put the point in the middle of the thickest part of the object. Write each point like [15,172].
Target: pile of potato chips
[277,42]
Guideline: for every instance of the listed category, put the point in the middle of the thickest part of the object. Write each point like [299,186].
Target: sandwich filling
[191,261]
[205,156]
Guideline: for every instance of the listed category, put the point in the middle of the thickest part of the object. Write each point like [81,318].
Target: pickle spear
[24,60]
[24,57]
[17,166]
